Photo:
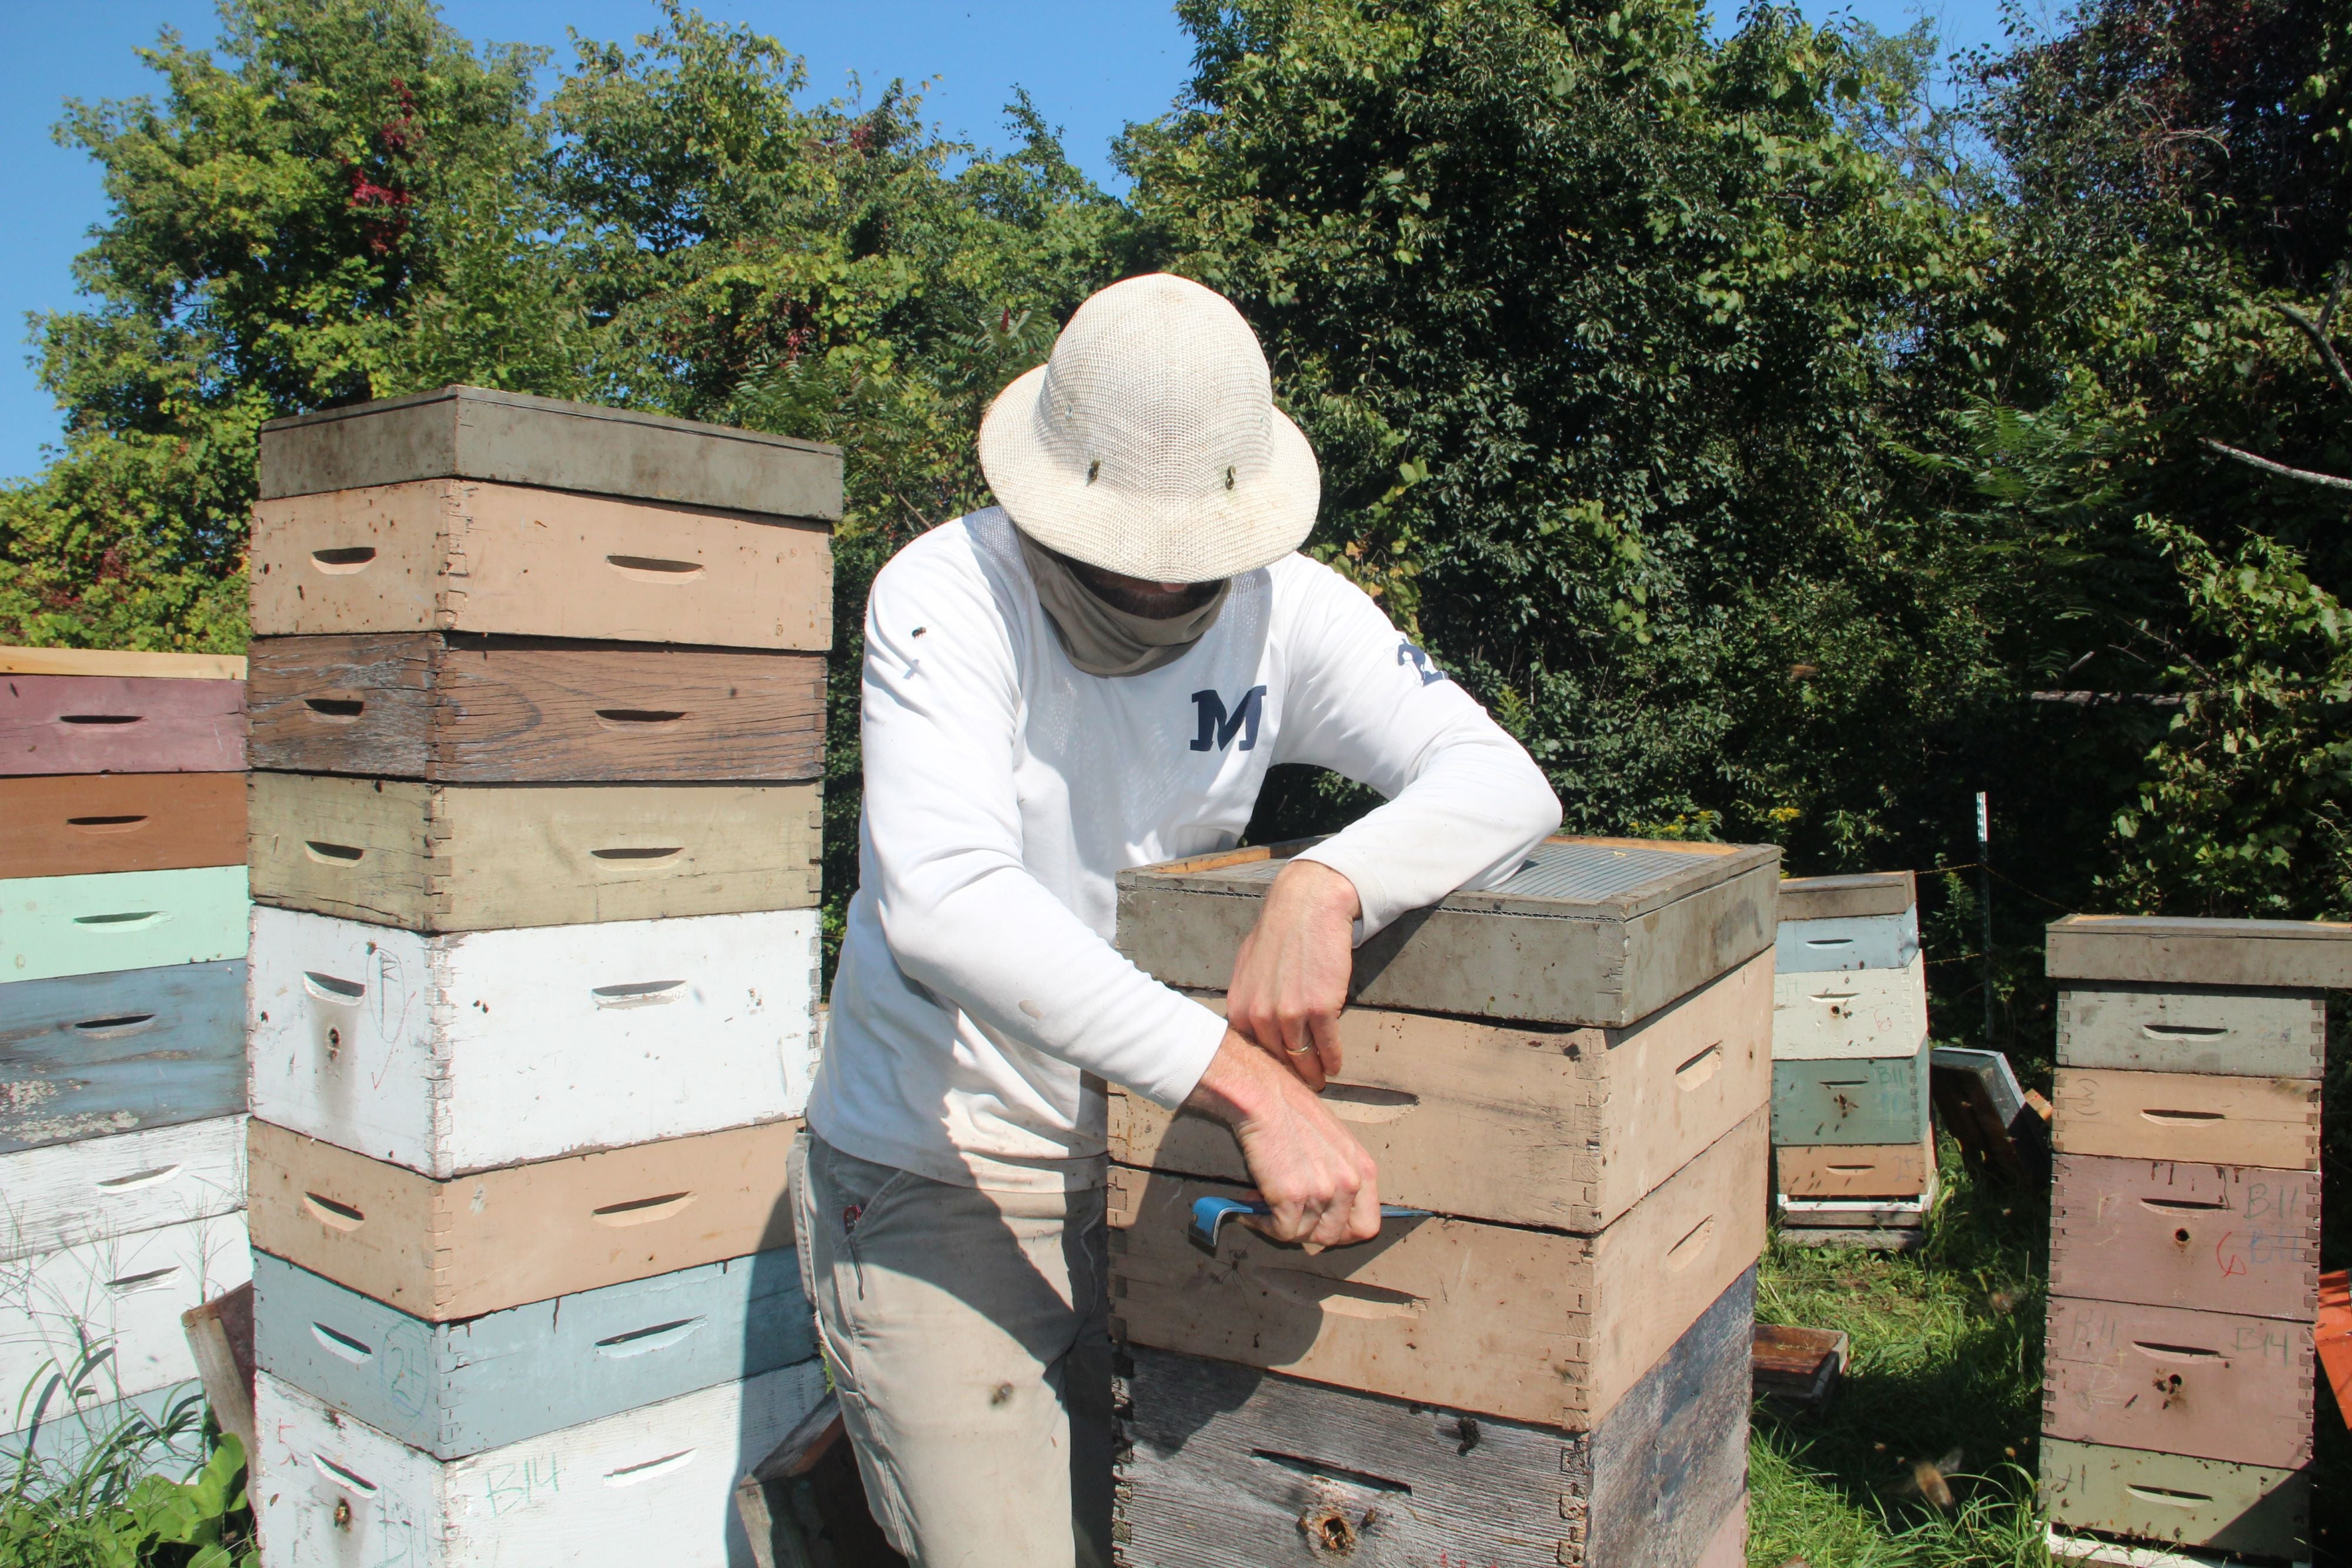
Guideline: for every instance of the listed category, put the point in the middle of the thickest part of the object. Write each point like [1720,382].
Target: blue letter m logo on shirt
[1215,725]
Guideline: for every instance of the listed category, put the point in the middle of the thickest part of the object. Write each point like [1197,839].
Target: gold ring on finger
[1298,1050]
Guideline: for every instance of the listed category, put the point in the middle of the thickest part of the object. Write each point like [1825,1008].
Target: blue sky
[1091,67]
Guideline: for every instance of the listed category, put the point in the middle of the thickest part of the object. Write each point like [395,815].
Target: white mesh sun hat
[1149,444]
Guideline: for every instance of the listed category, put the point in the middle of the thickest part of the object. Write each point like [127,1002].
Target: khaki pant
[968,1337]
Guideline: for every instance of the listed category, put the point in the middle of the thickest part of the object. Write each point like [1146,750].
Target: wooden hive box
[2214,1386]
[61,1441]
[120,724]
[1851,1101]
[55,925]
[2205,1505]
[449,1054]
[2202,955]
[480,710]
[1528,1325]
[125,1292]
[647,1485]
[1829,923]
[1591,933]
[445,1250]
[459,1388]
[1221,1466]
[463,857]
[84,1055]
[84,824]
[1854,1212]
[1571,1126]
[1855,1170]
[2168,1233]
[94,1188]
[2211,1118]
[1850,1013]
[2161,1028]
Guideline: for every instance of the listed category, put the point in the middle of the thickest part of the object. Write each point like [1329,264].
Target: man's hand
[1290,978]
[1323,1187]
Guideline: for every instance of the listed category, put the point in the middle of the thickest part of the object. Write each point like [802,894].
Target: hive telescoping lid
[2179,950]
[1586,932]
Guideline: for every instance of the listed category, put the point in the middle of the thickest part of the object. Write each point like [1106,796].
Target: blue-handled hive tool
[1210,1214]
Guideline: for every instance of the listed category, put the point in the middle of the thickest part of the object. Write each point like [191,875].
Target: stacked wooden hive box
[1853,1161]
[1551,1365]
[537,721]
[123,921]
[2184,1246]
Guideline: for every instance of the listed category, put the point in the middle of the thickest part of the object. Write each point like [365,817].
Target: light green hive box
[52,925]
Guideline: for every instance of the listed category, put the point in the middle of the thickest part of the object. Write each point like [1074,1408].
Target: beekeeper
[1093,675]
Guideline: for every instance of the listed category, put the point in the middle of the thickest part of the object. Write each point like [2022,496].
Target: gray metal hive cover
[1573,873]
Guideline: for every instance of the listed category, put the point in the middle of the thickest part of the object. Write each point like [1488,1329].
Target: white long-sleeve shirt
[1005,789]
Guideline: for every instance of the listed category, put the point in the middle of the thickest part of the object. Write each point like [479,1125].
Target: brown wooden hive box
[2215,1386]
[2208,1505]
[2196,955]
[2216,1238]
[80,824]
[117,724]
[1223,1466]
[476,710]
[1520,1124]
[474,432]
[1589,931]
[2211,1118]
[472,857]
[1854,1170]
[476,1244]
[2247,1032]
[1846,897]
[1530,1325]
[455,555]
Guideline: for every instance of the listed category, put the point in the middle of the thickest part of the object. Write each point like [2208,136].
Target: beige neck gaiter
[1102,639]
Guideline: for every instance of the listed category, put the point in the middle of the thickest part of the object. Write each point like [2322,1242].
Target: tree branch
[2267,466]
[2334,295]
[2318,333]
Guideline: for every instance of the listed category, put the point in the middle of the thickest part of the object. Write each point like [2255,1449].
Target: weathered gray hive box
[2289,954]
[511,438]
[1848,897]
[1589,931]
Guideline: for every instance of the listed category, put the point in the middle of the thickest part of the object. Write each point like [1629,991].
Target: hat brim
[1254,524]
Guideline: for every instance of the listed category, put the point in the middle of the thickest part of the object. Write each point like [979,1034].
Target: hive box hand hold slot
[2213,1385]
[2210,1118]
[2218,1239]
[1527,1324]
[2163,1029]
[62,1195]
[1850,1013]
[467,1052]
[443,1250]
[55,926]
[1864,896]
[2202,1505]
[1848,942]
[473,432]
[83,824]
[85,1055]
[1589,932]
[464,857]
[116,724]
[122,1297]
[2202,954]
[449,556]
[479,710]
[1226,1467]
[1845,1100]
[453,1389]
[1570,1127]
[649,1485]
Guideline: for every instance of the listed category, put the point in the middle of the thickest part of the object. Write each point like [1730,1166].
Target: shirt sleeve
[962,915]
[1465,803]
